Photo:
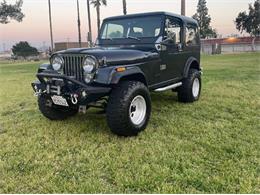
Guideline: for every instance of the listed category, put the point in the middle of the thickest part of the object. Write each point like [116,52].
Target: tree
[250,22]
[124,7]
[11,12]
[204,19]
[97,4]
[23,49]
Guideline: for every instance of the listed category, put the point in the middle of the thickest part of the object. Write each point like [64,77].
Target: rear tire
[129,108]
[191,87]
[54,113]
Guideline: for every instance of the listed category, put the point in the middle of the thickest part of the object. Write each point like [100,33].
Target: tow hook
[74,99]
[38,93]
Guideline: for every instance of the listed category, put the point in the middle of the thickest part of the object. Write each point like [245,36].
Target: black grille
[73,66]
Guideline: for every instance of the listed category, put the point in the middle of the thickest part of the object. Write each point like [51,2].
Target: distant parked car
[13,57]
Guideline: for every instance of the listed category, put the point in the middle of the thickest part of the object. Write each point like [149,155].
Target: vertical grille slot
[73,66]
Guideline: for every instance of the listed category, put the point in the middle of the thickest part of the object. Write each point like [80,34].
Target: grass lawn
[211,146]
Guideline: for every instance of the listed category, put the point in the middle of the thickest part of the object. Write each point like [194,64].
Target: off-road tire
[54,112]
[118,108]
[185,92]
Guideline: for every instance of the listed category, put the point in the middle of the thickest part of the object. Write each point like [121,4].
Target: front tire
[54,112]
[129,108]
[191,87]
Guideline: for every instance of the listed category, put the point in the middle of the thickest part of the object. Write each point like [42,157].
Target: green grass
[211,146]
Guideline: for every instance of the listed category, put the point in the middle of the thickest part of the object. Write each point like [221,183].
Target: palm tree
[79,30]
[97,4]
[124,7]
[50,19]
[89,25]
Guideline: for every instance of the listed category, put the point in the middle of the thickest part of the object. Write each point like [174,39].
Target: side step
[169,87]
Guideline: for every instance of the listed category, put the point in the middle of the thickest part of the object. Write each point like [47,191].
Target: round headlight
[57,63]
[89,65]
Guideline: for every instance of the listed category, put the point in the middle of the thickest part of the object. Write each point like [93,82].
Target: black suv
[134,54]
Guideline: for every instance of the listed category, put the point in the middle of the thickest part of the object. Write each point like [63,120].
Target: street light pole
[50,19]
[183,8]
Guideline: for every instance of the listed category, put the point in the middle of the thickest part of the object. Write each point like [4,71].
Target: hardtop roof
[183,18]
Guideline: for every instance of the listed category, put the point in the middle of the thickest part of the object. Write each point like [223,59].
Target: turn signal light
[121,69]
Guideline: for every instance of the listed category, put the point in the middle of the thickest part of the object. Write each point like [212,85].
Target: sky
[35,26]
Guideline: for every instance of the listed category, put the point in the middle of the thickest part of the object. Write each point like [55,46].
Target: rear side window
[174,27]
[192,37]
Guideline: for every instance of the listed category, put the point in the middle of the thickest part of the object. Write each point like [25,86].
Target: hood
[116,55]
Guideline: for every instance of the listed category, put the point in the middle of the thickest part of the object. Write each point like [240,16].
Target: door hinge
[163,67]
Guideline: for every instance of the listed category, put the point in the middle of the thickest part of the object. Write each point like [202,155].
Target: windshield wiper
[110,39]
[135,38]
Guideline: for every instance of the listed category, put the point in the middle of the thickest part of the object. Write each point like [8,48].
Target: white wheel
[196,87]
[137,110]
[129,108]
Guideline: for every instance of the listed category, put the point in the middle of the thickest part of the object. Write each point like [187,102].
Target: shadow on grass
[94,121]
[96,118]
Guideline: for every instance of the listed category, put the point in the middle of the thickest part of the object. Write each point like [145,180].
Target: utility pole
[50,19]
[89,25]
[79,24]
[183,7]
[3,47]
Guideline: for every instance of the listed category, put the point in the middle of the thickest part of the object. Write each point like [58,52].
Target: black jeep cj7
[134,54]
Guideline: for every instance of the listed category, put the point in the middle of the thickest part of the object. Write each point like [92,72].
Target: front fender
[109,75]
[43,67]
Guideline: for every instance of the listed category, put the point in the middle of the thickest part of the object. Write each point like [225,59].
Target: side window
[113,31]
[173,28]
[191,35]
[157,32]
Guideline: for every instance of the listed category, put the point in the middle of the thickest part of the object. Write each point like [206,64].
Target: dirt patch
[22,104]
[2,130]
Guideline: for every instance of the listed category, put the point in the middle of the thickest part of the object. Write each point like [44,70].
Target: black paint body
[149,60]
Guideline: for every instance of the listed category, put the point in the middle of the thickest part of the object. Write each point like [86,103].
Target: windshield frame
[161,17]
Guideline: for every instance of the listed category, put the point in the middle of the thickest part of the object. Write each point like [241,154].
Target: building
[229,45]
[6,55]
[66,45]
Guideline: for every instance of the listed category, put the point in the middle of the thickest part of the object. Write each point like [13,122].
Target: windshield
[138,27]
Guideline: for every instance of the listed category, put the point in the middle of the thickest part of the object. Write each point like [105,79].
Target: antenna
[50,18]
[79,23]
[183,7]
[89,25]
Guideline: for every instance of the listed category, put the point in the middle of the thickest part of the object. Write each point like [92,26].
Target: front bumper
[50,83]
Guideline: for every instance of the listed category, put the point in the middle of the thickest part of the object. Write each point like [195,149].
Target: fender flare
[131,72]
[43,67]
[188,65]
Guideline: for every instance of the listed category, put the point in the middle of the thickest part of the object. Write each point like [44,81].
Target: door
[172,55]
